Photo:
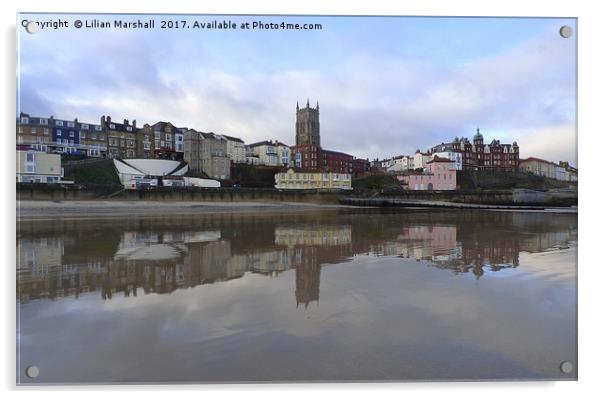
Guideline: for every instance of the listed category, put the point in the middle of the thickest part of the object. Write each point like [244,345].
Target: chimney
[134,123]
[108,119]
[102,120]
[126,122]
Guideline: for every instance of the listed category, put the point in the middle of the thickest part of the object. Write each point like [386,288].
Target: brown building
[121,138]
[93,139]
[207,153]
[162,141]
[478,155]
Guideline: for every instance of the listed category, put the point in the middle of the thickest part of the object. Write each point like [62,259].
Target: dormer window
[24,119]
[70,124]
[85,126]
[112,126]
[58,123]
[129,128]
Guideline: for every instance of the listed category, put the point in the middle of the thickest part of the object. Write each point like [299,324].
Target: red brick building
[307,154]
[478,155]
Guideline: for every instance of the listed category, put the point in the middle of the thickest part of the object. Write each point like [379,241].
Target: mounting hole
[32,371]
[566,367]
[32,27]
[566,31]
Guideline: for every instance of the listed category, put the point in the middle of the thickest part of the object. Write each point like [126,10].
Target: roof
[440,159]
[268,142]
[230,138]
[531,159]
[336,153]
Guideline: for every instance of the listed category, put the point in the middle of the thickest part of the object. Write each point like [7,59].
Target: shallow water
[325,295]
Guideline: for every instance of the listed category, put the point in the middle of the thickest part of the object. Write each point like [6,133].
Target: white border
[590,67]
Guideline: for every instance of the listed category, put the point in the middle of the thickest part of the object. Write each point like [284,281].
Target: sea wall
[55,192]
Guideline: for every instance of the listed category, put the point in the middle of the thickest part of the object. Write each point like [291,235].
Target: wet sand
[39,210]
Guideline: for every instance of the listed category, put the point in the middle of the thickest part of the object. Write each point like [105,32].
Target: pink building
[439,174]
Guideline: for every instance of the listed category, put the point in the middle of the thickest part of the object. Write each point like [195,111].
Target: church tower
[308,125]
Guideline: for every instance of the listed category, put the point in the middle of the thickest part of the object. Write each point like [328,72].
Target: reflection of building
[151,257]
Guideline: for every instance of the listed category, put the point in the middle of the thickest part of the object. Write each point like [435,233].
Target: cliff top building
[308,155]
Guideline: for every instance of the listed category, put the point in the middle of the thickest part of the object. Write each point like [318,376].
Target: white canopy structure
[128,169]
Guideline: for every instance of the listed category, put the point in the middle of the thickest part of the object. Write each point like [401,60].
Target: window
[85,126]
[46,131]
[59,132]
[58,123]
[20,139]
[98,128]
[24,119]
[20,129]
[43,121]
[72,134]
[30,157]
[112,126]
[82,135]
[31,168]
[129,128]
[70,124]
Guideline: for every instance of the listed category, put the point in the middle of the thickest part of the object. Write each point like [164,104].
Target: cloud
[372,104]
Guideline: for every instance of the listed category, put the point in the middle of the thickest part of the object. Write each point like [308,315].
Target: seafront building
[271,153]
[561,171]
[299,180]
[38,167]
[60,136]
[121,137]
[439,174]
[478,155]
[206,152]
[235,148]
[162,140]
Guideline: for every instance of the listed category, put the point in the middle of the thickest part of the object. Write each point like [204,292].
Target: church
[307,153]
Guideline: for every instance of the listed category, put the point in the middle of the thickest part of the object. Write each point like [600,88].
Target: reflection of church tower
[308,125]
[307,277]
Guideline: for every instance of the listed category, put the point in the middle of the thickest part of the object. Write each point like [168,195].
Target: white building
[421,159]
[235,148]
[455,156]
[271,153]
[38,167]
[401,163]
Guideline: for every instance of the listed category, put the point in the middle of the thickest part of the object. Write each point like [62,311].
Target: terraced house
[60,136]
[121,138]
[33,133]
[162,141]
[207,153]
[93,139]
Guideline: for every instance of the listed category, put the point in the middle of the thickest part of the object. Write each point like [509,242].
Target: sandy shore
[92,209]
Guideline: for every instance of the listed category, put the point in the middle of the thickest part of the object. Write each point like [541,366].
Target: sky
[386,85]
